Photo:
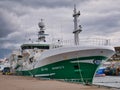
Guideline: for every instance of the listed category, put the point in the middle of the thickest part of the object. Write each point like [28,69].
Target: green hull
[82,72]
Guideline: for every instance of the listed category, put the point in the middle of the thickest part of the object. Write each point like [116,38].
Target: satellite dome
[41,24]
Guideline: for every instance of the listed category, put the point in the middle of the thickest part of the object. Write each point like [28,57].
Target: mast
[76,29]
[41,33]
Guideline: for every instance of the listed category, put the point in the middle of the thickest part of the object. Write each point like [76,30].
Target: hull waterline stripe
[45,74]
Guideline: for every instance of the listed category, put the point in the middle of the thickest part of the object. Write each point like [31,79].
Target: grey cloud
[96,18]
[13,7]
[8,23]
[45,3]
[5,28]
[101,17]
[101,24]
[106,21]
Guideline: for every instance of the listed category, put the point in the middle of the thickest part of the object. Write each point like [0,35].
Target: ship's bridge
[33,46]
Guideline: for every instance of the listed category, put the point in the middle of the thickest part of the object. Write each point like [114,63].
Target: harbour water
[109,81]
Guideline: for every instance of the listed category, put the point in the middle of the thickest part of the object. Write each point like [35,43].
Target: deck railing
[82,42]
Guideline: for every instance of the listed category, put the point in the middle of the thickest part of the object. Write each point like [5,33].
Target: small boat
[100,72]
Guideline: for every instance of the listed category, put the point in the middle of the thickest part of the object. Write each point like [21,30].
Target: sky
[19,20]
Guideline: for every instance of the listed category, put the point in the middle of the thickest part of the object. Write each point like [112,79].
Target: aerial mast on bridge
[77,29]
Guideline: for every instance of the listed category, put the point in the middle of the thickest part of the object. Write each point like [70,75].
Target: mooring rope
[80,72]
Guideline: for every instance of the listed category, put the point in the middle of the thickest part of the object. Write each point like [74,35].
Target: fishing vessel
[61,62]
